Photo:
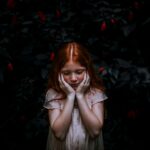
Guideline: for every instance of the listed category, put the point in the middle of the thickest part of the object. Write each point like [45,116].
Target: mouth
[74,86]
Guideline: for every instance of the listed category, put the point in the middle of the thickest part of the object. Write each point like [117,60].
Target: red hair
[82,56]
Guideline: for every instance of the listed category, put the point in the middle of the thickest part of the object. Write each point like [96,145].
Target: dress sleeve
[97,96]
[51,100]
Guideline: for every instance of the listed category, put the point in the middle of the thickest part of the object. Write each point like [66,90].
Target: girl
[74,100]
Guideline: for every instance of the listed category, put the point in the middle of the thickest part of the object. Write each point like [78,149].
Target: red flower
[14,20]
[101,69]
[136,5]
[132,114]
[10,67]
[113,21]
[42,16]
[10,4]
[103,26]
[58,13]
[52,56]
[130,16]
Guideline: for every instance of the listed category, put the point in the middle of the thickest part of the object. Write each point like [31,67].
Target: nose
[73,78]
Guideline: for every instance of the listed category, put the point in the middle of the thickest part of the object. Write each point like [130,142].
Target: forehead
[71,65]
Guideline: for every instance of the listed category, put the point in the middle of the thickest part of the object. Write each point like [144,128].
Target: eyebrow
[68,70]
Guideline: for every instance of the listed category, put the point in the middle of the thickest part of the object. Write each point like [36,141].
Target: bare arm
[92,118]
[60,119]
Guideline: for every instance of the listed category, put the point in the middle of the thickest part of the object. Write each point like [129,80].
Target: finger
[64,82]
[60,81]
[87,79]
[59,78]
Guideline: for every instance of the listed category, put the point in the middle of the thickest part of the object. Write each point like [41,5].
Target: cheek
[81,77]
[66,79]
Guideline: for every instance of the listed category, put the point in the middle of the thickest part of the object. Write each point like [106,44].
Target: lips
[74,85]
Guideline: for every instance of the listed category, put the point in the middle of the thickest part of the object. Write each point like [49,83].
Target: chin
[74,88]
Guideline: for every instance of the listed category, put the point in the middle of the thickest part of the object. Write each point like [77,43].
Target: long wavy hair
[80,55]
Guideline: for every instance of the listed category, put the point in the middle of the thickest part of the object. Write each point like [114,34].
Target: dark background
[117,34]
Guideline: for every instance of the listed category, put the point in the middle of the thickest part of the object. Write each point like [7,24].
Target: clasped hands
[70,91]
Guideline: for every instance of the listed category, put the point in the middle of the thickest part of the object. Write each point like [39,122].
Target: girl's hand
[66,87]
[83,85]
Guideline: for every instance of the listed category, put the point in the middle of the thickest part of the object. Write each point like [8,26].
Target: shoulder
[52,94]
[95,91]
[96,95]
[50,91]
[52,100]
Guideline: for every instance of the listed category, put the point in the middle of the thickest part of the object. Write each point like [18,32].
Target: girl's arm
[60,119]
[92,118]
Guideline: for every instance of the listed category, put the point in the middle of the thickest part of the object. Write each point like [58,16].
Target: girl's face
[73,73]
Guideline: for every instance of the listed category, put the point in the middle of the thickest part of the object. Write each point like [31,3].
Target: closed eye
[80,71]
[66,72]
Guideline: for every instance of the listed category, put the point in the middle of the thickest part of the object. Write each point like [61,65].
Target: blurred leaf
[1,77]
[44,73]
[41,56]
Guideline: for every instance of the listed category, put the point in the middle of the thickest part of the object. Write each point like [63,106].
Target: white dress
[77,137]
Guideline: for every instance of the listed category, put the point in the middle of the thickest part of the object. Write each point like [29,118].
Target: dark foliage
[118,36]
